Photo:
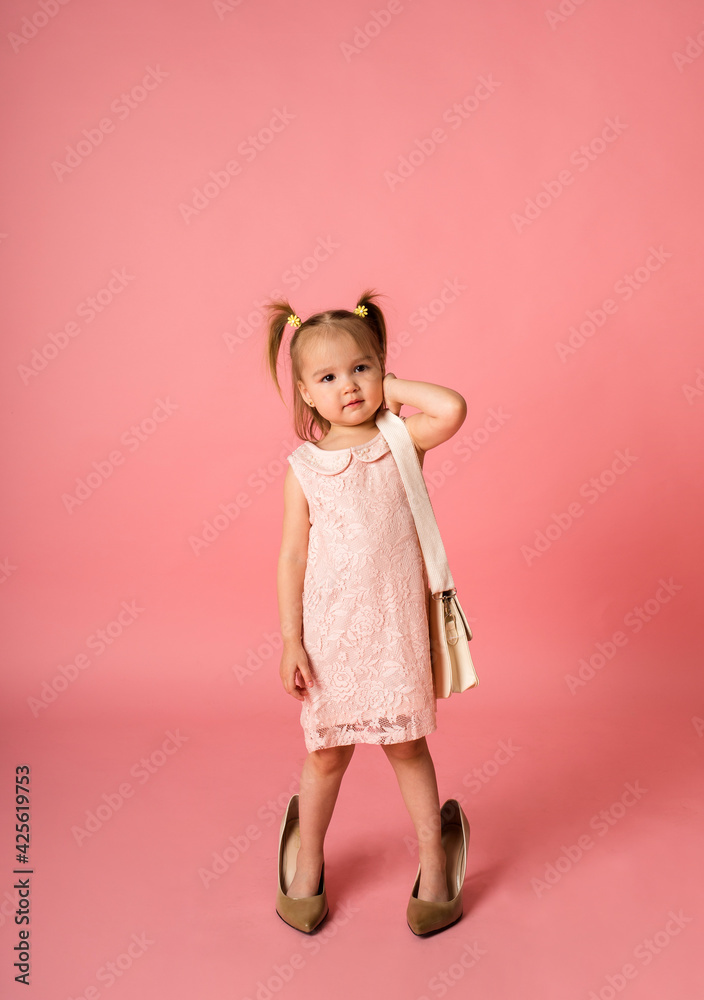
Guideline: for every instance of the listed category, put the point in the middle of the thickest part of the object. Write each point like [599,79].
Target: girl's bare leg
[320,782]
[415,773]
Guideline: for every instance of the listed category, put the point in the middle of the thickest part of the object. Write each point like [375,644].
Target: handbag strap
[394,430]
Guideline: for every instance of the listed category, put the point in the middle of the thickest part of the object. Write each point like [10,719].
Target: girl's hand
[390,403]
[295,671]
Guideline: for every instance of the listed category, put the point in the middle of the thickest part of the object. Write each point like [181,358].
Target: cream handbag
[453,670]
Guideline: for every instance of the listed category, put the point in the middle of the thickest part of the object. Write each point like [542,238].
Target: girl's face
[341,382]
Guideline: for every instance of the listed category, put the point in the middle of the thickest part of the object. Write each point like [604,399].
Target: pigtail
[279,310]
[375,317]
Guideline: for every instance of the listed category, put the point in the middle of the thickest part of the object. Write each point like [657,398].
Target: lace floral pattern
[365,601]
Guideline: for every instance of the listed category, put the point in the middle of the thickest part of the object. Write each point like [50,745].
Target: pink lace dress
[365,601]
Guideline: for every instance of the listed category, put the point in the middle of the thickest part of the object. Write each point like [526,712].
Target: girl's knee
[407,750]
[331,759]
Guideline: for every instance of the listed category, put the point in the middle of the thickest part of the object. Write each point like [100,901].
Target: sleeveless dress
[365,601]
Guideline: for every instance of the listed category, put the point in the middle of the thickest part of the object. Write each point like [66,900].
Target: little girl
[353,602]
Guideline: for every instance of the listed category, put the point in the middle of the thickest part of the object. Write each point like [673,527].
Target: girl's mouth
[354,402]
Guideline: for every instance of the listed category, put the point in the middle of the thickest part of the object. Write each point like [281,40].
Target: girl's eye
[356,366]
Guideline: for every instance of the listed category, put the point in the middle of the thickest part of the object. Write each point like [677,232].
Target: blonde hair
[369,333]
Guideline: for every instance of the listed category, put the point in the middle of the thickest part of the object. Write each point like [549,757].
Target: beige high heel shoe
[424,916]
[305,913]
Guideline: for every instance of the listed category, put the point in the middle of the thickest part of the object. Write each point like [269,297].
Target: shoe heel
[423,916]
[305,913]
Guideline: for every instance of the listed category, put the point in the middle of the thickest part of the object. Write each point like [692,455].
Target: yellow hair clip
[294,320]
[361,310]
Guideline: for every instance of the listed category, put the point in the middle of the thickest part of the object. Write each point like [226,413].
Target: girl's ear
[302,390]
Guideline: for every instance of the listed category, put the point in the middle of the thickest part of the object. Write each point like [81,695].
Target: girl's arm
[443,410]
[294,668]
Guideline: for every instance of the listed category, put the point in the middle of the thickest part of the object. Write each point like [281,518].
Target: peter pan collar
[330,463]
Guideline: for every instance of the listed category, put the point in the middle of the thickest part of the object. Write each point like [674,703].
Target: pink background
[532,234]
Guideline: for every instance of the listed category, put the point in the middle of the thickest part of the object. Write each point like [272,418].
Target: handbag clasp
[443,595]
